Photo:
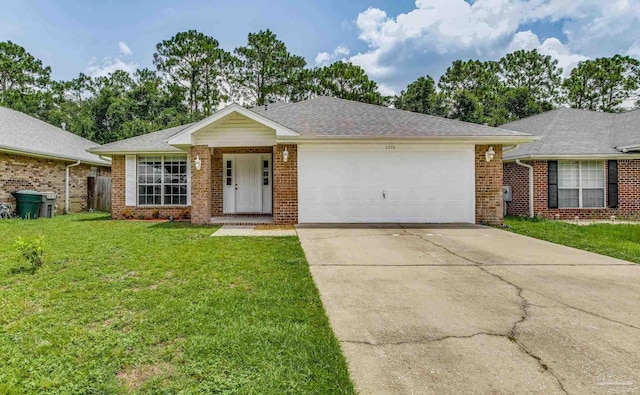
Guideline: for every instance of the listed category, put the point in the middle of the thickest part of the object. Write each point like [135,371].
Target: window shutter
[552,184]
[612,183]
[130,182]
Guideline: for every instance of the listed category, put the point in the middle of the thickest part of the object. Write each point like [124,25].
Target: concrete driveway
[470,309]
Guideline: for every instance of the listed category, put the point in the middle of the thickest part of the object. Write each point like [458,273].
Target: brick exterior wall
[285,185]
[518,178]
[201,185]
[26,172]
[118,198]
[628,193]
[217,175]
[489,186]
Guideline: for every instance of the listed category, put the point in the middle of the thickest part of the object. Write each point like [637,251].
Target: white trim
[574,157]
[145,152]
[185,137]
[38,154]
[496,140]
[131,180]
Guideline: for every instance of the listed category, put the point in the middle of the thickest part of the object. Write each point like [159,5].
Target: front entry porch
[242,220]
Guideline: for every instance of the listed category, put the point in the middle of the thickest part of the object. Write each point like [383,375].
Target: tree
[420,96]
[193,60]
[24,81]
[347,81]
[471,90]
[535,74]
[265,71]
[603,84]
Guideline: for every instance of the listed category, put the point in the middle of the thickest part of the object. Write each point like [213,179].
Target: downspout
[531,213]
[66,186]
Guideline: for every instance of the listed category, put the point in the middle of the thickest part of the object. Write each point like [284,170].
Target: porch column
[285,185]
[201,186]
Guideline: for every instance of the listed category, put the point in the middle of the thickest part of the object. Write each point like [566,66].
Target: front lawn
[619,241]
[138,307]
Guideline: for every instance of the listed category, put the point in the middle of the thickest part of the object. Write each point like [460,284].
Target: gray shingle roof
[151,142]
[567,131]
[25,134]
[330,116]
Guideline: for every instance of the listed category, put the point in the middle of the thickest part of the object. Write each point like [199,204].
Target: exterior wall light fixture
[490,154]
[285,155]
[198,163]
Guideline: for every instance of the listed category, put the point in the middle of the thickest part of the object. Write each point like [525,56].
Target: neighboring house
[36,155]
[323,160]
[586,164]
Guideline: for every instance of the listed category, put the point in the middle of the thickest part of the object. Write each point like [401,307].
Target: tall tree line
[521,84]
[193,76]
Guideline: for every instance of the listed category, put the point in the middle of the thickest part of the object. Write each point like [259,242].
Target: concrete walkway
[471,309]
[250,230]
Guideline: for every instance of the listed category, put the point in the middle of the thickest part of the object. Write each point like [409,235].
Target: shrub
[185,213]
[127,214]
[155,213]
[31,250]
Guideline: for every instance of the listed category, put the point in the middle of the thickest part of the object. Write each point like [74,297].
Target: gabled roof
[155,142]
[332,117]
[320,118]
[567,132]
[184,136]
[26,135]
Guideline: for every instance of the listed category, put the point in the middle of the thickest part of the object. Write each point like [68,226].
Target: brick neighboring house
[323,160]
[586,164]
[35,155]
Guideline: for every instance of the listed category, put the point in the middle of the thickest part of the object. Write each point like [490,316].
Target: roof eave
[46,155]
[572,157]
[138,152]
[505,140]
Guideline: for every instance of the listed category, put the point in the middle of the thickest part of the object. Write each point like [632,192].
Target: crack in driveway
[511,334]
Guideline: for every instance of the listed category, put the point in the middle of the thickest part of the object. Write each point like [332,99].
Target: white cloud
[124,48]
[107,66]
[528,41]
[426,39]
[326,58]
[386,90]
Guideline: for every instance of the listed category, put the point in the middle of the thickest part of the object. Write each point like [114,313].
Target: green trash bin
[28,203]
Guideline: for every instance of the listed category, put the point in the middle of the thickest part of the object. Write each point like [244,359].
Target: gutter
[531,213]
[66,186]
[512,148]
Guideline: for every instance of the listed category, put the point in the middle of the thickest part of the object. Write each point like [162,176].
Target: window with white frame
[581,184]
[162,180]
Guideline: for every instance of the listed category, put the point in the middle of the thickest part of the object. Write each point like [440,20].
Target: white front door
[248,190]
[247,183]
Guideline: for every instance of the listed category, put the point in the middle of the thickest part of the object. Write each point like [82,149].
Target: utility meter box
[506,193]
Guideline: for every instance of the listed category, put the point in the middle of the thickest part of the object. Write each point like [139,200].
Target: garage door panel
[425,184]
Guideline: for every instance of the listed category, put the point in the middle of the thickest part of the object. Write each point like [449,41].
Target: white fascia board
[185,137]
[574,157]
[497,140]
[44,155]
[144,152]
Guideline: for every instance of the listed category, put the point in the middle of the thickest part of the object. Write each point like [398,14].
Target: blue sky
[394,40]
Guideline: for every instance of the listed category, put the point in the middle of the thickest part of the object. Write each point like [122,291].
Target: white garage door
[386,184]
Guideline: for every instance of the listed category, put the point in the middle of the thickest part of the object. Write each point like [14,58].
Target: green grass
[137,307]
[619,241]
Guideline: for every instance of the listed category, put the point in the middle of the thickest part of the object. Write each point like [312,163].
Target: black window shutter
[612,183]
[552,182]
